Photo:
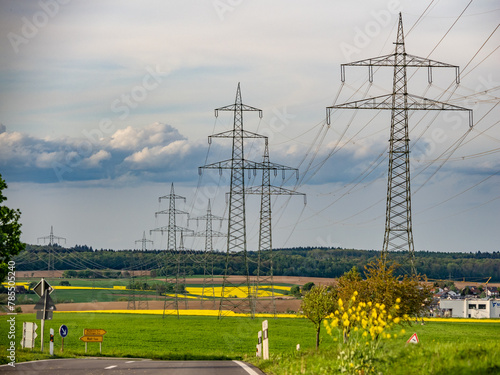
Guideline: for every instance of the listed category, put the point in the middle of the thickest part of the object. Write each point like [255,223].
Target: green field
[95,294]
[444,348]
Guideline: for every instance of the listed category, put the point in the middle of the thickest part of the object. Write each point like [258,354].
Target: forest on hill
[307,262]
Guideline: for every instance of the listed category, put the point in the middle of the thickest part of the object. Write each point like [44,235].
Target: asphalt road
[104,366]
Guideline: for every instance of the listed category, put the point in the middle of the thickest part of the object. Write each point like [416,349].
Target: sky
[103,105]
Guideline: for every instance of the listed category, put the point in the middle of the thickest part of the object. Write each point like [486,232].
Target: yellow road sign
[91,338]
[93,332]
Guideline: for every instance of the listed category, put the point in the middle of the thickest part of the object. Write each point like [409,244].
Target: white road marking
[247,368]
[130,362]
[110,367]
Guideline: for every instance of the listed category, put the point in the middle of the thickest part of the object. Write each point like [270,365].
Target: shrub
[360,327]
[295,291]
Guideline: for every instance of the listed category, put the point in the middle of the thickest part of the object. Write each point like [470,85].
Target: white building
[470,308]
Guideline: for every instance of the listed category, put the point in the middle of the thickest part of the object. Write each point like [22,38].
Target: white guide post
[265,340]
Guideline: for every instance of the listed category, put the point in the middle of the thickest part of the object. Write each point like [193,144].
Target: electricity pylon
[264,275]
[232,289]
[143,304]
[181,270]
[53,240]
[172,271]
[208,256]
[398,234]
[144,241]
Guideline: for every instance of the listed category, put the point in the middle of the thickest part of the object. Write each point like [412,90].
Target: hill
[306,262]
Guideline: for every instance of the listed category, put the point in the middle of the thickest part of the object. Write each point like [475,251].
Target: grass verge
[444,348]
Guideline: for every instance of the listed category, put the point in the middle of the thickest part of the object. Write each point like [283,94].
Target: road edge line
[245,367]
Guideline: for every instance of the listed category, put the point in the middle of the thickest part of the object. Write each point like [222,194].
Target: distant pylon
[208,255]
[173,257]
[398,235]
[181,270]
[233,290]
[264,277]
[143,303]
[52,241]
[144,241]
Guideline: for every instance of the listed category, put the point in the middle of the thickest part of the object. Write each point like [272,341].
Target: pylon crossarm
[207,217]
[378,102]
[175,228]
[420,103]
[410,61]
[421,62]
[248,164]
[235,133]
[167,211]
[390,60]
[237,107]
[386,60]
[205,233]
[273,190]
[413,102]
[171,196]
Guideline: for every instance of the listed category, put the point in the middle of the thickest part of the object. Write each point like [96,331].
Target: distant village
[471,302]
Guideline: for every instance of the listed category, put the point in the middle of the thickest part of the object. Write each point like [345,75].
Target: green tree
[349,283]
[295,291]
[307,286]
[383,286]
[10,233]
[69,273]
[316,305]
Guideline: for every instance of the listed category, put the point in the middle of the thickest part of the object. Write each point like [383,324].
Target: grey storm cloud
[155,149]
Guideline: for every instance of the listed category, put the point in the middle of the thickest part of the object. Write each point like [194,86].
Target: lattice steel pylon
[237,240]
[173,257]
[53,240]
[208,255]
[264,275]
[144,241]
[398,235]
[143,303]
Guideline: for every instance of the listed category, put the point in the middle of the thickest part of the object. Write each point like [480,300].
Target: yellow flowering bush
[361,326]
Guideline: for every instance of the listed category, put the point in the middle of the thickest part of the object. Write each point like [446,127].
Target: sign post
[93,335]
[265,340]
[63,332]
[259,344]
[43,289]
[51,347]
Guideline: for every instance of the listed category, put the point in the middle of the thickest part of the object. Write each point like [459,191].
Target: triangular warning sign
[413,339]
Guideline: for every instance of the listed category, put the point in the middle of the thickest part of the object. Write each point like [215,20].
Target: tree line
[307,262]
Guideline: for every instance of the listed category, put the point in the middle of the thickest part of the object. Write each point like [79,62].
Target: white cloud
[154,149]
[95,160]
[152,135]
[159,156]
[47,159]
